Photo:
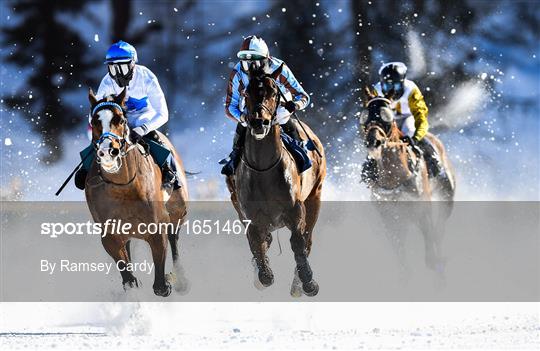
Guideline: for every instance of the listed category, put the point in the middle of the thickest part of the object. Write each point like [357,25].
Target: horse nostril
[114,152]
[101,153]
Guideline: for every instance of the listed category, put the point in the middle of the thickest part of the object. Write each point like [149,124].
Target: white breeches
[406,125]
[282,115]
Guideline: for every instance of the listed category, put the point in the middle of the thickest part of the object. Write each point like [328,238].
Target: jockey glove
[290,106]
[136,134]
[407,139]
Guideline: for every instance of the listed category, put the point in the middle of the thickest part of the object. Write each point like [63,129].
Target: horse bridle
[123,140]
[272,122]
[264,107]
[371,126]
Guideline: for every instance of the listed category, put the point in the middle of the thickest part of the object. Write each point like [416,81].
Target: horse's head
[377,122]
[262,101]
[109,129]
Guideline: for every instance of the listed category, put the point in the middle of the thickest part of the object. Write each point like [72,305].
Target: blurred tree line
[192,52]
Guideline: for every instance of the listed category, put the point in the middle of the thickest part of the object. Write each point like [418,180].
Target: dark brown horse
[268,189]
[124,183]
[403,176]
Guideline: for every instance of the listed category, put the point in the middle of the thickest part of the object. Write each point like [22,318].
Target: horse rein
[273,122]
[387,142]
[272,113]
[412,167]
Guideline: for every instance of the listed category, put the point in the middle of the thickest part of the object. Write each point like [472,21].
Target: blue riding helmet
[120,60]
[121,51]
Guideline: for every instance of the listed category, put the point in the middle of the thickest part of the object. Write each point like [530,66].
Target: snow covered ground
[185,326]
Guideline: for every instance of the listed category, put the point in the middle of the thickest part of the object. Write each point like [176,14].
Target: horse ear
[368,95]
[120,99]
[91,97]
[277,72]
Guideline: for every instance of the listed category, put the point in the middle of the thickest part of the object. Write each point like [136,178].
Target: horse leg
[158,244]
[299,247]
[432,243]
[181,283]
[312,206]
[128,249]
[117,250]
[396,235]
[259,245]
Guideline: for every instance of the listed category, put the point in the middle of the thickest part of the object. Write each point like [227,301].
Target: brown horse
[124,183]
[403,176]
[268,190]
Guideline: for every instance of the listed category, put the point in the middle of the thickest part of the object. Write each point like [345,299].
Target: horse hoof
[163,291]
[182,286]
[266,279]
[311,288]
[130,284]
[296,291]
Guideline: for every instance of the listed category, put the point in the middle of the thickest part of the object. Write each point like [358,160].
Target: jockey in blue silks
[146,108]
[255,56]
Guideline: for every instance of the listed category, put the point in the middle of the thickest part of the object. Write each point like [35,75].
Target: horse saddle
[298,152]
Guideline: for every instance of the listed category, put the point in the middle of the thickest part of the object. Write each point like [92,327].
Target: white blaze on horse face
[108,163]
[105,117]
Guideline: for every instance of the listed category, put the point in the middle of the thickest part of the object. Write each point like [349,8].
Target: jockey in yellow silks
[411,115]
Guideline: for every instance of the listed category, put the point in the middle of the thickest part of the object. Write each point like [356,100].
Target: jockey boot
[291,129]
[231,162]
[168,177]
[370,172]
[80,178]
[431,157]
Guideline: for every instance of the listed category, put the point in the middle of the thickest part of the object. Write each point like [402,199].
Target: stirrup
[170,178]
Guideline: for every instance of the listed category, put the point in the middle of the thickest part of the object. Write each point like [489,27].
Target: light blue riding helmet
[121,51]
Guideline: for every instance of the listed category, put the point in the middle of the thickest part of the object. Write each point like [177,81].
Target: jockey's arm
[419,110]
[232,100]
[159,104]
[300,97]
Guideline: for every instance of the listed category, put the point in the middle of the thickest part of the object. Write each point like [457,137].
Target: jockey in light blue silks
[254,56]
[146,108]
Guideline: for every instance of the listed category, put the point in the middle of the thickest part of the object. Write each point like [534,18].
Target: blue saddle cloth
[298,152]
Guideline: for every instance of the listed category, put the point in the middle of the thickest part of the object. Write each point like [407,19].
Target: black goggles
[395,86]
[251,61]
[119,68]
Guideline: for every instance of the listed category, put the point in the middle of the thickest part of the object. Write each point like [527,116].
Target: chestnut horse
[124,183]
[403,176]
[268,189]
